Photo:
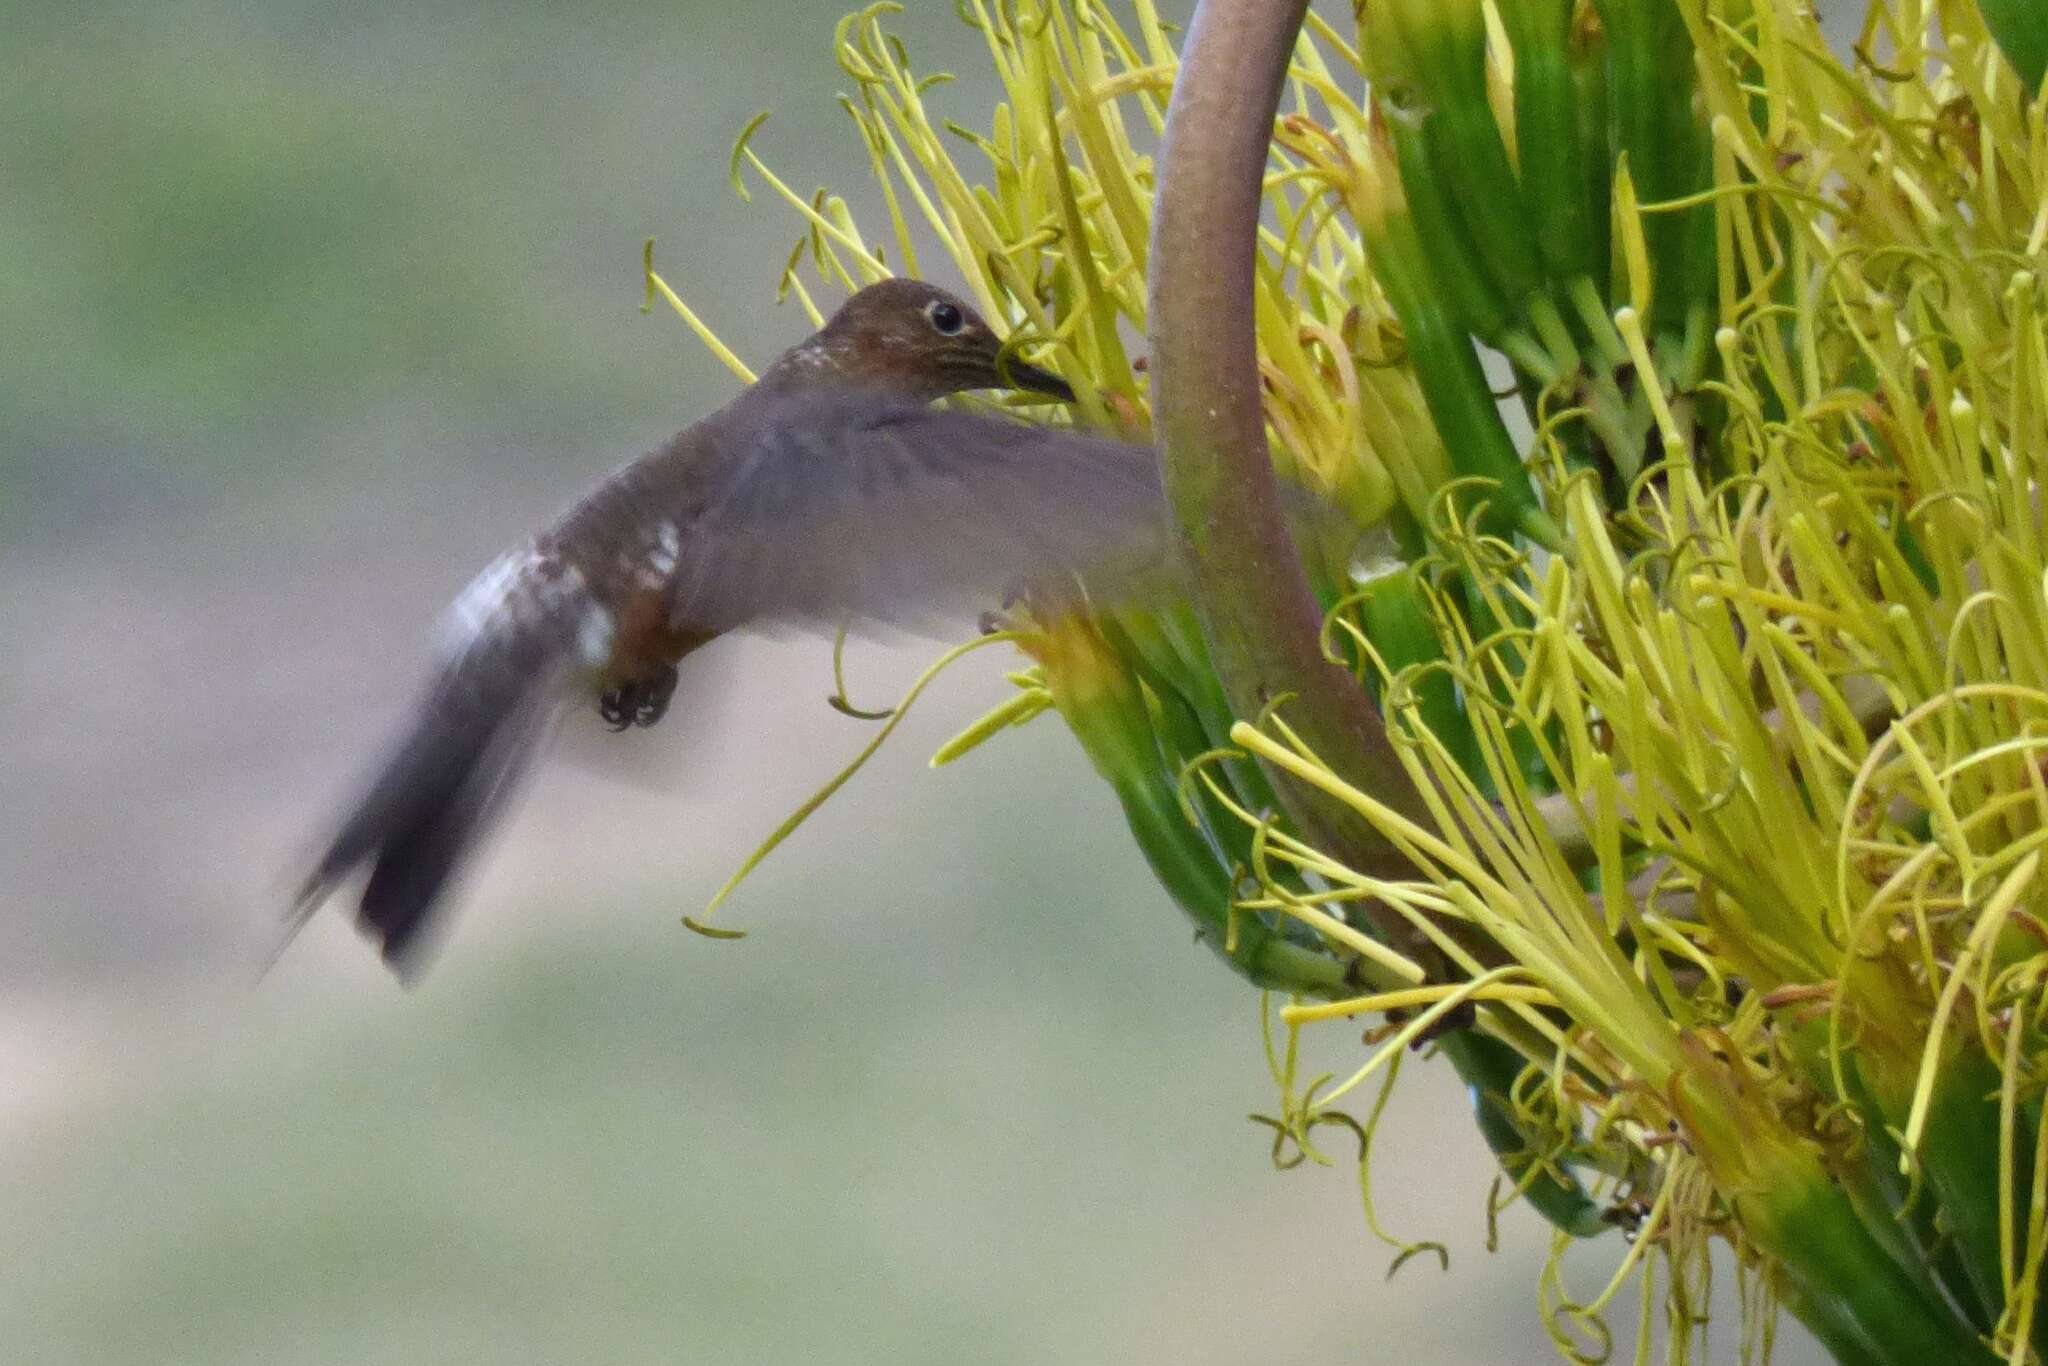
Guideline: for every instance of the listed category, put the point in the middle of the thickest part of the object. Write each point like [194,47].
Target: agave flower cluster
[1714,660]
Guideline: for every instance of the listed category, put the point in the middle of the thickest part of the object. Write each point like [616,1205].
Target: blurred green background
[309,309]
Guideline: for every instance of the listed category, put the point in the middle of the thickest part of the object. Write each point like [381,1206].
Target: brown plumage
[826,492]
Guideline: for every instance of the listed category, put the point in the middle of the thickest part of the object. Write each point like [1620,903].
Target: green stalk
[1870,1197]
[1588,56]
[1899,1217]
[1651,85]
[1959,1155]
[1957,1206]
[1182,737]
[1842,1283]
[1445,41]
[1553,159]
[1107,715]
[1201,887]
[1841,1337]
[1454,385]
[1456,268]
[1463,277]
[1398,623]
[1175,663]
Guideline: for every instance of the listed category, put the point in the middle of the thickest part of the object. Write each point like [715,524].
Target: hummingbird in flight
[828,491]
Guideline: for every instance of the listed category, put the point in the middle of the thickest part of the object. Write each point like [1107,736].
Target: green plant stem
[1466,151]
[1454,386]
[1397,621]
[1455,268]
[1181,859]
[1175,662]
[1842,1283]
[1258,613]
[1651,75]
[1596,183]
[1547,138]
[1115,731]
[1959,1154]
[1910,1213]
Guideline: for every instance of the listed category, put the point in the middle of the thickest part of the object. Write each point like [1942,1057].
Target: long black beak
[1016,374]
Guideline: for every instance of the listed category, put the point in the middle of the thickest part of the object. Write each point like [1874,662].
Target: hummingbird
[827,492]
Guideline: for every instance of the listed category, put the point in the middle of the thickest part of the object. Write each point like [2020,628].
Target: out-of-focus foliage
[230,228]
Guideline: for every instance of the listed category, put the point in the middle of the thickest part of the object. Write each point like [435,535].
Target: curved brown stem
[1258,613]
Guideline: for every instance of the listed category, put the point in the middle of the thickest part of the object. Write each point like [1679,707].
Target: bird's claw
[640,702]
[654,698]
[611,705]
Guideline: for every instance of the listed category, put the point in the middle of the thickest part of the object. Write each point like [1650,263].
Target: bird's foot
[639,702]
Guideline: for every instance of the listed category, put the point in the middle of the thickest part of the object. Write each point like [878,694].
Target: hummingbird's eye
[945,317]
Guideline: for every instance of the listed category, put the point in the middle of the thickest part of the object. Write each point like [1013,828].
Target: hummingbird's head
[911,337]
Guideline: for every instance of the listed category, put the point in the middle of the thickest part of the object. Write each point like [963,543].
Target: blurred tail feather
[420,817]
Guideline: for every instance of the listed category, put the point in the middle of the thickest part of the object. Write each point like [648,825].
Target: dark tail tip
[410,873]
[411,859]
[415,824]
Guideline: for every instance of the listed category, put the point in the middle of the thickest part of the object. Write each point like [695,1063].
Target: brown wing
[848,505]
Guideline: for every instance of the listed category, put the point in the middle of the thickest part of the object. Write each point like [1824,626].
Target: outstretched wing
[850,505]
